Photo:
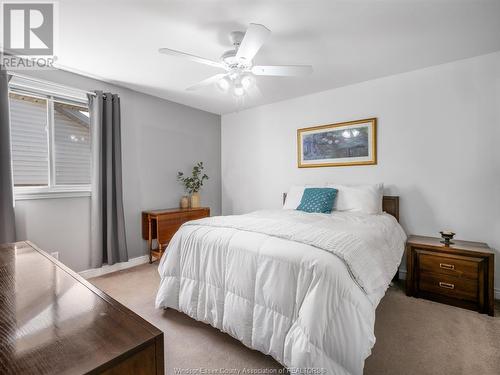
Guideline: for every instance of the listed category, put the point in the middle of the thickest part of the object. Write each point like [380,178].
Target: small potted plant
[192,184]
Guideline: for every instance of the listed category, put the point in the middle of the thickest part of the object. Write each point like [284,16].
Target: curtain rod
[42,81]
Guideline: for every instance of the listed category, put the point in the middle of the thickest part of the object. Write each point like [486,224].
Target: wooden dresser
[460,274]
[161,225]
[55,322]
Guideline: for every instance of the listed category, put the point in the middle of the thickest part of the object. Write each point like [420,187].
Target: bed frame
[390,204]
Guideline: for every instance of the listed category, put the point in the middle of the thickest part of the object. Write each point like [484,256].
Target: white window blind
[28,116]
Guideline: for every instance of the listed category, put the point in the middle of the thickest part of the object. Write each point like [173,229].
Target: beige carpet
[414,336]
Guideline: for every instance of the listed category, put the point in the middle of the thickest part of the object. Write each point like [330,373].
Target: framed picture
[335,145]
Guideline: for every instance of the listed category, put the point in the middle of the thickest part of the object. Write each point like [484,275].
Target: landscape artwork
[342,144]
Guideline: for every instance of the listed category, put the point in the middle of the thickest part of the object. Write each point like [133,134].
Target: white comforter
[300,287]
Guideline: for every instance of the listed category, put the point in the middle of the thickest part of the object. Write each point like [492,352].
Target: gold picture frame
[337,145]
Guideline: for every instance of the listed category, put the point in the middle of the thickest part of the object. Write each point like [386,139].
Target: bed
[300,287]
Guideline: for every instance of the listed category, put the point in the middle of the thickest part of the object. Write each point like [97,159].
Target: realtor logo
[28,29]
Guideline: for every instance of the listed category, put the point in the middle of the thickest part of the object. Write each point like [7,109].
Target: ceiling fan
[238,62]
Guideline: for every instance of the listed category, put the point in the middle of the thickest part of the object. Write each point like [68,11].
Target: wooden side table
[161,225]
[461,274]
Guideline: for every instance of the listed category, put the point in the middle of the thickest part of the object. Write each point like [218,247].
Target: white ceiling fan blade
[173,52]
[206,82]
[254,38]
[282,70]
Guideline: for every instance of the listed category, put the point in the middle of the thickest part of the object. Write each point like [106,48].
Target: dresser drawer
[450,286]
[462,267]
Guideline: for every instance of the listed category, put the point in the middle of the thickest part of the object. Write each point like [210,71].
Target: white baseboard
[402,276]
[94,272]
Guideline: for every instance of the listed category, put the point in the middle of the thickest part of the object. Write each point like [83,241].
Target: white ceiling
[345,41]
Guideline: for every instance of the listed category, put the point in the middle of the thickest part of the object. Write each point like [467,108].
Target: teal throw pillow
[317,200]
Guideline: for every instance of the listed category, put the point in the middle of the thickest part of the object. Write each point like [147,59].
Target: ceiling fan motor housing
[236,37]
[229,57]
[232,62]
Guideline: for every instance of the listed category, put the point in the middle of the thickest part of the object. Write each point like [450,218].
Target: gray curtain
[7,222]
[108,239]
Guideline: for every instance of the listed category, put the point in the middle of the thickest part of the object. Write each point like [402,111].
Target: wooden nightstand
[161,225]
[460,274]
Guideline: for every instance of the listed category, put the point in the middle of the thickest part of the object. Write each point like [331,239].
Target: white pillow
[359,198]
[294,196]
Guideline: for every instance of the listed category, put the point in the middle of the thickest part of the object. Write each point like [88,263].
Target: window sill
[27,193]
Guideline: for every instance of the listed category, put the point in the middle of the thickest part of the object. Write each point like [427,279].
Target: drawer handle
[446,285]
[447,266]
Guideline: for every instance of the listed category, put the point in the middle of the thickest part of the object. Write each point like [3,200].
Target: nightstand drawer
[463,267]
[450,286]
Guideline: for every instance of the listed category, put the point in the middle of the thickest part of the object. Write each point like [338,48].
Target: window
[71,144]
[50,144]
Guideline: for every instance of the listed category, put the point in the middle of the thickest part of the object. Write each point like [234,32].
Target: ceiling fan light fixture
[224,84]
[238,90]
[247,80]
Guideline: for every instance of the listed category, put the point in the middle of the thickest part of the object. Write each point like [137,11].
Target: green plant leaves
[194,183]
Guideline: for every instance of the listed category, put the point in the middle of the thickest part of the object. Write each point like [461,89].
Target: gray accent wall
[159,138]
